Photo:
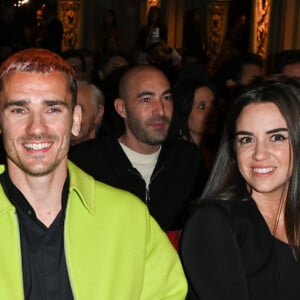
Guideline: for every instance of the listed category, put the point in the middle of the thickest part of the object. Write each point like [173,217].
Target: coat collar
[81,185]
[5,204]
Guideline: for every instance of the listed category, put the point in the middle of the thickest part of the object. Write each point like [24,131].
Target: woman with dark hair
[243,240]
[195,117]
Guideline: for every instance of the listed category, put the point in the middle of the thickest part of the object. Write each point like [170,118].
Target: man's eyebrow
[16,103]
[55,102]
[168,91]
[26,102]
[145,93]
[151,93]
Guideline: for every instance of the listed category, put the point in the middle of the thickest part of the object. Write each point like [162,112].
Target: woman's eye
[278,137]
[245,140]
[201,106]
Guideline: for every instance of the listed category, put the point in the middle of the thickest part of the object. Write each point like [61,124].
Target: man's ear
[100,114]
[120,107]
[77,116]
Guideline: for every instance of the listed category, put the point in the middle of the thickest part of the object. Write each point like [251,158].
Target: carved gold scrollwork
[261,21]
[217,25]
[70,19]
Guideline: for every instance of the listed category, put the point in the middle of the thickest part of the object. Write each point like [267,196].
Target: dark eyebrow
[277,130]
[268,132]
[243,133]
[169,91]
[16,103]
[55,102]
[150,93]
[26,102]
[145,93]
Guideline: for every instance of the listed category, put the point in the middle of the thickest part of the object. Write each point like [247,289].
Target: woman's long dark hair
[226,182]
[183,96]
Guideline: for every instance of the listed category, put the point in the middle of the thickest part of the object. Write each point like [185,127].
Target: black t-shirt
[45,274]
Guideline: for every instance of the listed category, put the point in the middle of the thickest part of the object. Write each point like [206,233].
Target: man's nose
[159,108]
[36,124]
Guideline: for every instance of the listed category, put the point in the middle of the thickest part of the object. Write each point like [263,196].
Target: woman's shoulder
[235,220]
[220,211]
[229,208]
[241,216]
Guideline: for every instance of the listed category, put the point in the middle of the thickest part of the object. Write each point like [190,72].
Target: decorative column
[70,12]
[175,19]
[217,19]
[261,27]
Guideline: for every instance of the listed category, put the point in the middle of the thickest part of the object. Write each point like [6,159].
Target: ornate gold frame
[70,15]
[216,27]
[261,27]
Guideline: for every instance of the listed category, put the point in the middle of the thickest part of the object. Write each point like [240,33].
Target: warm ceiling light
[21,2]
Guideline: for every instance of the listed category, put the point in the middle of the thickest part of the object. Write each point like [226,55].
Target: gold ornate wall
[216,27]
[70,11]
[261,27]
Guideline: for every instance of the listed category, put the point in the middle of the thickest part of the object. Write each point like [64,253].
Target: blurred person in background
[196,118]
[91,101]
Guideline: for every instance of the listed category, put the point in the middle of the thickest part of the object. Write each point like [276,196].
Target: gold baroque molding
[261,26]
[70,10]
[217,27]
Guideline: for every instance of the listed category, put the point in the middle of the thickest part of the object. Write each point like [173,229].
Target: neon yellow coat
[114,249]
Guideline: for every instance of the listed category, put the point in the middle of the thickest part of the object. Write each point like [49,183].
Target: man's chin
[156,141]
[35,169]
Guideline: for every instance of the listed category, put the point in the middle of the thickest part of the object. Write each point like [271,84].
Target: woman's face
[202,118]
[263,150]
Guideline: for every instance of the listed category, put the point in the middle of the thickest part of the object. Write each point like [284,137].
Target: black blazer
[229,253]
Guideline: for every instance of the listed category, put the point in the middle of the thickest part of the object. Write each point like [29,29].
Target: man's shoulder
[182,152]
[104,159]
[94,191]
[92,143]
[177,145]
[94,147]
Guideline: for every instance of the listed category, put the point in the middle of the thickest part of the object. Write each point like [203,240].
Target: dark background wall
[131,14]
